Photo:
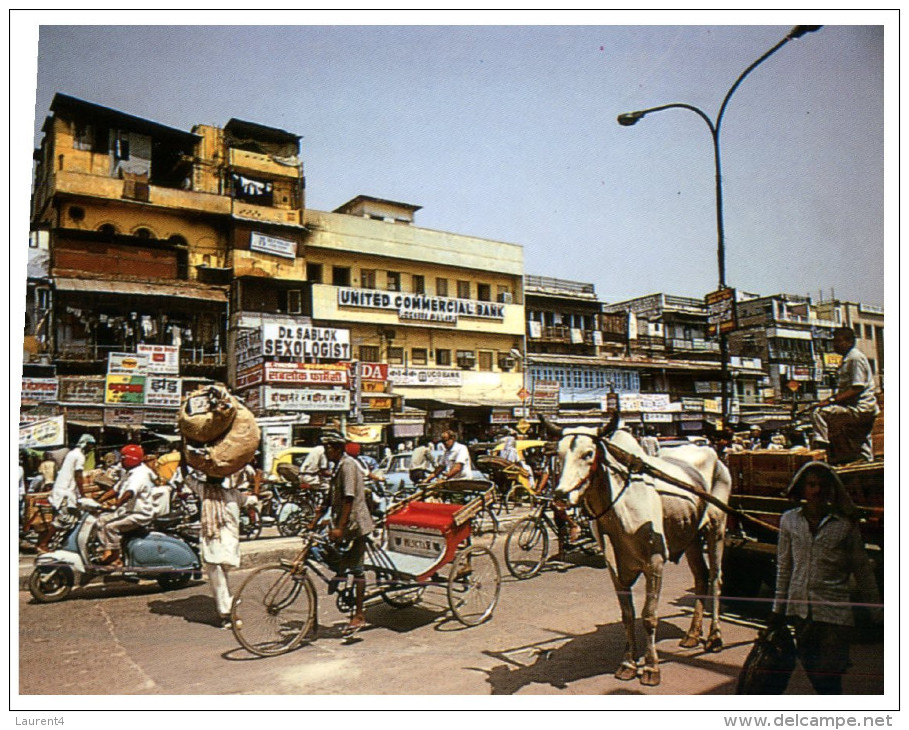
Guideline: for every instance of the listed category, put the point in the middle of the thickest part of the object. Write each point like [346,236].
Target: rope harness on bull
[635,464]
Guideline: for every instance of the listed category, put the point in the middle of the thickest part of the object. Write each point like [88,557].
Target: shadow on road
[196,609]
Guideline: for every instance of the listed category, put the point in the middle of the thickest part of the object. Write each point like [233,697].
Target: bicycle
[527,543]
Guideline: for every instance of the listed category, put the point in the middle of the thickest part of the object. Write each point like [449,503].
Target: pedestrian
[48,468]
[754,443]
[455,462]
[221,502]
[820,548]
[350,521]
[421,461]
[649,442]
[314,470]
[843,422]
[509,450]
[134,506]
[68,484]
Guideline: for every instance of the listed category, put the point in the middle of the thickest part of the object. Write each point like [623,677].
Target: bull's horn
[550,427]
[611,427]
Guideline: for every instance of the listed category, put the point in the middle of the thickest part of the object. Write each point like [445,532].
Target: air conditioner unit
[506,297]
[466,359]
[507,363]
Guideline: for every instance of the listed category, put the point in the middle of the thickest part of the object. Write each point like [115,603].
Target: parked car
[396,472]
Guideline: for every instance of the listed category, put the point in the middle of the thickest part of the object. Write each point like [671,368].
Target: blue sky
[509,132]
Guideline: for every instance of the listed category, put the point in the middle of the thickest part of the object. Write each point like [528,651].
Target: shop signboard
[247,348]
[423,376]
[127,363]
[707,386]
[693,404]
[43,434]
[546,395]
[162,391]
[501,415]
[125,389]
[373,371]
[86,415]
[298,373]
[654,401]
[38,390]
[289,339]
[373,386]
[421,307]
[832,360]
[37,413]
[160,417]
[712,405]
[251,376]
[628,402]
[720,311]
[375,404]
[162,359]
[272,245]
[124,417]
[81,389]
[305,399]
[657,417]
[275,438]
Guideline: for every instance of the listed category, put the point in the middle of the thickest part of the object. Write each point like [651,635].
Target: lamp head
[799,30]
[629,119]
[516,353]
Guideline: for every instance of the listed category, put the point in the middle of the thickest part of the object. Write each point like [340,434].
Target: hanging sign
[127,363]
[271,245]
[720,311]
[38,390]
[162,391]
[305,399]
[43,434]
[125,389]
[163,359]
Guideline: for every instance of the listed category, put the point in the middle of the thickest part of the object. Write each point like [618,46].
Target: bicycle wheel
[399,595]
[295,518]
[485,524]
[526,548]
[519,496]
[473,586]
[249,529]
[273,611]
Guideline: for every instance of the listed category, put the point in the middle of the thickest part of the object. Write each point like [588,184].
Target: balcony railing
[92,353]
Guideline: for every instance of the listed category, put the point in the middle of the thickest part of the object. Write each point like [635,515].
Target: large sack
[207,413]
[232,451]
[770,663]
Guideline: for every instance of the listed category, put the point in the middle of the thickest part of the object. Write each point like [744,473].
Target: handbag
[770,663]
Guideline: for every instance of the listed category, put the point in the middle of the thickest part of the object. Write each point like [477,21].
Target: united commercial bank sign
[421,307]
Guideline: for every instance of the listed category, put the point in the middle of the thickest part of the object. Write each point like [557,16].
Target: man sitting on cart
[350,519]
[455,462]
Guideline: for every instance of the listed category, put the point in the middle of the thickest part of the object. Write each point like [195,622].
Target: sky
[508,131]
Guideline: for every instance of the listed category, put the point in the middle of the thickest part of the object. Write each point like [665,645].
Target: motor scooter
[147,554]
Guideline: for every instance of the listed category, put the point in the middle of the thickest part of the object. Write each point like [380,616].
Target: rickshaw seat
[434,515]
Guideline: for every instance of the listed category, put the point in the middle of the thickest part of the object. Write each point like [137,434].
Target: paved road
[559,634]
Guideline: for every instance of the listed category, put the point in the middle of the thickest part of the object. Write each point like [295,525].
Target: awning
[102,286]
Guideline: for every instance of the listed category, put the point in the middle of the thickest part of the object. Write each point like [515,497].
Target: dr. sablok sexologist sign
[320,343]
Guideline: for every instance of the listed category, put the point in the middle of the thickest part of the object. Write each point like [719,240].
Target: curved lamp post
[629,119]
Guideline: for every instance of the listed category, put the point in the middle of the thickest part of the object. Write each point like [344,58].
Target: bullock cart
[426,543]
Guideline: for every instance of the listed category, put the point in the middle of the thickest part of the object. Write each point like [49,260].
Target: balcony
[111,188]
[85,353]
[258,163]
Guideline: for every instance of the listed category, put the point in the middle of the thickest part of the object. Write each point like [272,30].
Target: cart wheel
[473,585]
[526,548]
[273,611]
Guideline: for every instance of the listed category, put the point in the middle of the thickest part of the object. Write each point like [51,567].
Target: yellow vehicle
[294,455]
[523,485]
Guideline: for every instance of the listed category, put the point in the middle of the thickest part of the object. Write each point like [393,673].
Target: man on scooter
[67,489]
[134,507]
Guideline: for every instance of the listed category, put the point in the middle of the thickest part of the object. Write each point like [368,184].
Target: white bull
[649,521]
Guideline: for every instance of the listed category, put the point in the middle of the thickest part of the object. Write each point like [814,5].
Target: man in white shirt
[64,496]
[455,459]
[421,461]
[314,471]
[135,505]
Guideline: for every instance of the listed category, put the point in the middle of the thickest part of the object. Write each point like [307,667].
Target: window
[419,284]
[443,357]
[295,301]
[396,355]
[83,136]
[484,292]
[441,287]
[869,332]
[314,273]
[463,289]
[393,280]
[340,275]
[485,360]
[418,355]
[369,353]
[368,278]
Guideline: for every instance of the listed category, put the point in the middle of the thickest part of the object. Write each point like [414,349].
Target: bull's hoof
[714,643]
[690,641]
[626,672]
[650,676]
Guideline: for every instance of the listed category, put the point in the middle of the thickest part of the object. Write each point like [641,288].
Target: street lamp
[629,119]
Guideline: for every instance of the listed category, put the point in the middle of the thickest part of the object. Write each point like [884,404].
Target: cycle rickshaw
[426,542]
